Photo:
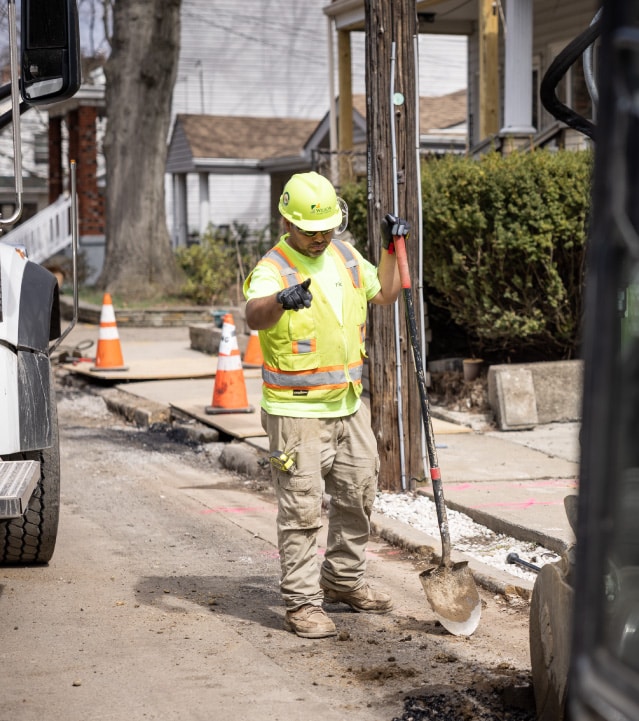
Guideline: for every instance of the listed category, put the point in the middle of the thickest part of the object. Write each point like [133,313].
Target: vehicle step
[18,480]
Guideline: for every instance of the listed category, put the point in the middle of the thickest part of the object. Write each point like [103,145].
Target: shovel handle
[435,473]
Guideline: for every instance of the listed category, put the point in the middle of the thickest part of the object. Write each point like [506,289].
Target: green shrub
[504,241]
[210,267]
[504,247]
[355,196]
[218,263]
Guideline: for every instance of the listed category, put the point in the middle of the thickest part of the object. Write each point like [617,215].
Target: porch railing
[46,233]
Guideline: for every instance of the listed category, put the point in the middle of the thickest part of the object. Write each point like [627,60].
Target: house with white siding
[268,59]
[230,148]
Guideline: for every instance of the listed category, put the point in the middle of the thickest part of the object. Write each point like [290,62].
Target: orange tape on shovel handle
[402,260]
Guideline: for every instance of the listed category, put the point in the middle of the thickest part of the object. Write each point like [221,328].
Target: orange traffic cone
[108,356]
[229,391]
[253,357]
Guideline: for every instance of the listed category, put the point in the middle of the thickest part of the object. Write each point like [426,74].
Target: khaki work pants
[338,455]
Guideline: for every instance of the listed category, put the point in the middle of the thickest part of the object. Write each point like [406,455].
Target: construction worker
[307,298]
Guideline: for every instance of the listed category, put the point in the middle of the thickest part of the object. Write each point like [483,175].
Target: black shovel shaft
[435,474]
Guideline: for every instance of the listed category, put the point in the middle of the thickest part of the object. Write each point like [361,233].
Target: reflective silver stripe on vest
[304,346]
[287,271]
[350,261]
[322,378]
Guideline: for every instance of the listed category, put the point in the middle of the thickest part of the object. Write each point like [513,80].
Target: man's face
[314,245]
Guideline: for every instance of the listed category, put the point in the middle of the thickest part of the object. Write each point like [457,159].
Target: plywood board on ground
[192,397]
[148,369]
[152,369]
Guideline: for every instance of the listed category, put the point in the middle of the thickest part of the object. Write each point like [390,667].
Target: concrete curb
[141,412]
[428,548]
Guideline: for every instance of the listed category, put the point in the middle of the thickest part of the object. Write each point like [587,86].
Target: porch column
[488,69]
[345,136]
[180,219]
[518,68]
[205,207]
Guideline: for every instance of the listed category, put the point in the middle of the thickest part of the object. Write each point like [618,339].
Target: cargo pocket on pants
[299,501]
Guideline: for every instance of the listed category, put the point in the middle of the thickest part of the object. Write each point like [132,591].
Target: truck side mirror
[50,50]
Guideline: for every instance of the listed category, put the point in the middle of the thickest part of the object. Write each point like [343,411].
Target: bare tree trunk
[387,22]
[140,75]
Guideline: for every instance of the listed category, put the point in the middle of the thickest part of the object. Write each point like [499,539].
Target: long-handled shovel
[450,587]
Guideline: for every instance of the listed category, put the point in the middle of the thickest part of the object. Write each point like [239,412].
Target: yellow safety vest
[308,354]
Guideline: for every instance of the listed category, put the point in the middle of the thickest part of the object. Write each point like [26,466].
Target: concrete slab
[474,457]
[147,369]
[511,482]
[511,392]
[554,388]
[560,440]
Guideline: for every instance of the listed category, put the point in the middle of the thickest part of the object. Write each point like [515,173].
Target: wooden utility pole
[391,36]
[488,69]
[345,134]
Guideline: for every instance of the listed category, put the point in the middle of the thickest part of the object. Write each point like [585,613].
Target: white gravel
[466,536]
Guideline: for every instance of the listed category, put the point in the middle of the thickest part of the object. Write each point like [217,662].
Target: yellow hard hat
[310,202]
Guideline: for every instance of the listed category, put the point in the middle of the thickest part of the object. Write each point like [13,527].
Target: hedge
[504,246]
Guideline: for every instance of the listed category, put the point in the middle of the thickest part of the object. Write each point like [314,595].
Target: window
[41,147]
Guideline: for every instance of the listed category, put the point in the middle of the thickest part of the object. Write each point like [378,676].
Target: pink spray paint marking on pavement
[519,504]
[239,509]
[561,483]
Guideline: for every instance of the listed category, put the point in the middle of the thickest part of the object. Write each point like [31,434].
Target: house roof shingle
[435,112]
[218,142]
[216,136]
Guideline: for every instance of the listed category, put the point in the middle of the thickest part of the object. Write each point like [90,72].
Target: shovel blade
[453,596]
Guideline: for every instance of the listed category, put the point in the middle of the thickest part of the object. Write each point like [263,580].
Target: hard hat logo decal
[316,209]
[285,199]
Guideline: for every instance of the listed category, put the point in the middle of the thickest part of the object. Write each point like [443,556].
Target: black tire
[31,538]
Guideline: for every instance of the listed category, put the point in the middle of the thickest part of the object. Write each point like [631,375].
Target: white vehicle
[48,70]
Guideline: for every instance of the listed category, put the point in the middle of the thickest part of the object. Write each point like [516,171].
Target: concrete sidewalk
[513,482]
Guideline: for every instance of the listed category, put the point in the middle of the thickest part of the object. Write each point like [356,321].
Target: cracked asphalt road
[161,602]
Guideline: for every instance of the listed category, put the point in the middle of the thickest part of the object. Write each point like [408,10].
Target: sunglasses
[313,233]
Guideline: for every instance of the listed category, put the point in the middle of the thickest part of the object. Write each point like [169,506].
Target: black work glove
[392,227]
[296,297]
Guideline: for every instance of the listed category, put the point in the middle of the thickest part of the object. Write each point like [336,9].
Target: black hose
[558,68]
[514,558]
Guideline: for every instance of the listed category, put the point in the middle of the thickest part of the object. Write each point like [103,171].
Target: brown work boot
[310,622]
[364,599]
